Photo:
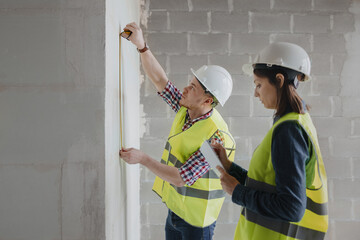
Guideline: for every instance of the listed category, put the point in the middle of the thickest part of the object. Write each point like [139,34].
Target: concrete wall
[52,119]
[60,174]
[189,33]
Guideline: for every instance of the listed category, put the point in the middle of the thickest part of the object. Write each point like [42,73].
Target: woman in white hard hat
[284,191]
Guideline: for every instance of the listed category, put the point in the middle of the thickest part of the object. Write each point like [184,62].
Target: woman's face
[266,92]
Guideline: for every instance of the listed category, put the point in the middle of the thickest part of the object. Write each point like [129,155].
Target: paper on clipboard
[210,156]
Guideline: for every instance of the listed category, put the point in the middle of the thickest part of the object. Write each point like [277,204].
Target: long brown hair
[287,97]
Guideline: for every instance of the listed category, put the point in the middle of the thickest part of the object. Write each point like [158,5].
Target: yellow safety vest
[261,175]
[199,204]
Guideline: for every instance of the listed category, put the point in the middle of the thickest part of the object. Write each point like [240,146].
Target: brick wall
[190,33]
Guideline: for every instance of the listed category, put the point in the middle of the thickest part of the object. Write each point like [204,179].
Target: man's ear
[280,79]
[209,100]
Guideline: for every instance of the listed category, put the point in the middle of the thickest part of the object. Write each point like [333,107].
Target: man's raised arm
[149,63]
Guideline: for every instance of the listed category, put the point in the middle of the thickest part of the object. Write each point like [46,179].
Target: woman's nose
[255,93]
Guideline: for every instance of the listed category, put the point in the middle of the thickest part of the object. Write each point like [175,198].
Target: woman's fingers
[221,170]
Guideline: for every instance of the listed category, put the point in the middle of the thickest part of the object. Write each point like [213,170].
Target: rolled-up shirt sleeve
[172,96]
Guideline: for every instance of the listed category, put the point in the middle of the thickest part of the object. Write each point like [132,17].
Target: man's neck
[195,113]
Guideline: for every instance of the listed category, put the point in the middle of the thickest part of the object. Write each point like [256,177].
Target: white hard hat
[216,80]
[282,54]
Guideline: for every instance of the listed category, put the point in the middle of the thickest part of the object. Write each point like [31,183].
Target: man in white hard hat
[185,182]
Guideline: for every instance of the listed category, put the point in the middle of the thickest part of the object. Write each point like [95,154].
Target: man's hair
[207,92]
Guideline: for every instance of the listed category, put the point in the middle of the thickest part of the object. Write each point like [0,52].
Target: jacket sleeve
[238,172]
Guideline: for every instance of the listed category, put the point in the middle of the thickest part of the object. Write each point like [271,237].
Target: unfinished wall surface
[122,180]
[52,91]
[190,33]
[60,174]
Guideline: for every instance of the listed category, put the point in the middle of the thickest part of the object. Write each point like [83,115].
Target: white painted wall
[122,181]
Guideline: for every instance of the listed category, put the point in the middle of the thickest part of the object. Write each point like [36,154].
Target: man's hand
[165,172]
[132,155]
[136,37]
[227,182]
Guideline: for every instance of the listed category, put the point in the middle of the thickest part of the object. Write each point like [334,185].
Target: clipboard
[210,157]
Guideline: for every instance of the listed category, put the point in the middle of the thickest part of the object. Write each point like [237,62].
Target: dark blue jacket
[289,154]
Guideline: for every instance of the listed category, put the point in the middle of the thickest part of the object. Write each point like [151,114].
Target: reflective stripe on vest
[197,193]
[286,228]
[261,176]
[199,204]
[176,163]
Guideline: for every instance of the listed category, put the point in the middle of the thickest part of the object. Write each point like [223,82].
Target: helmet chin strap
[295,82]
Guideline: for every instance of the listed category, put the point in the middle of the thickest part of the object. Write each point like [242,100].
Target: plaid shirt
[196,166]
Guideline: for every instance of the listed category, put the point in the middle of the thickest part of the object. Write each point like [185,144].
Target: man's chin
[182,103]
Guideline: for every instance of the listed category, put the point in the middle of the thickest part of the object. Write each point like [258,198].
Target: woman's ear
[280,79]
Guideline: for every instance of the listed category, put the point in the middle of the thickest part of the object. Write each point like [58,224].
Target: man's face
[194,95]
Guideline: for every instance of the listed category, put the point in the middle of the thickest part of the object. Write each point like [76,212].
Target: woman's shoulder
[289,131]
[288,127]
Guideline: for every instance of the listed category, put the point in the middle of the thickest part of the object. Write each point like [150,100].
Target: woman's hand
[136,37]
[132,155]
[221,152]
[228,182]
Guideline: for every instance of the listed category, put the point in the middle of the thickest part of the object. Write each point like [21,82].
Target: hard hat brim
[193,72]
[199,79]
